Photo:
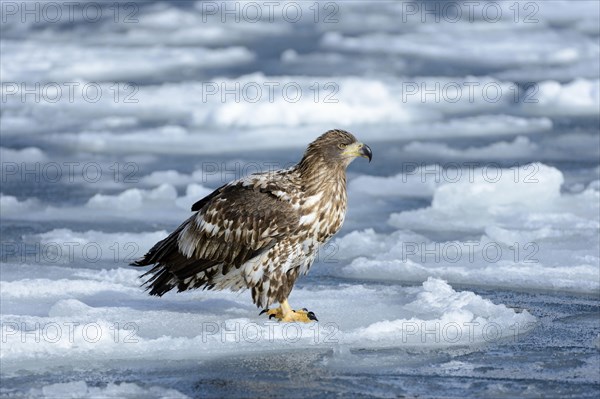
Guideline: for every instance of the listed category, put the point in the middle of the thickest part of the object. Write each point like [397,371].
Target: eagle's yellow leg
[285,313]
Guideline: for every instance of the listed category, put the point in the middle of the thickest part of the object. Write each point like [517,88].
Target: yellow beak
[358,150]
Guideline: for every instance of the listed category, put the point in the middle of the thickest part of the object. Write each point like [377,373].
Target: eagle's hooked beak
[358,150]
[365,151]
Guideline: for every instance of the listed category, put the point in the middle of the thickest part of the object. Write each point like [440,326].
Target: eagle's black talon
[311,316]
[263,312]
[271,316]
[306,310]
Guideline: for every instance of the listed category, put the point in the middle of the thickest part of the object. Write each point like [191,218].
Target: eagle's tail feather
[171,268]
[160,250]
[161,281]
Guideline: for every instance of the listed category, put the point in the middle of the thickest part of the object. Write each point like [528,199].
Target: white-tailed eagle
[262,231]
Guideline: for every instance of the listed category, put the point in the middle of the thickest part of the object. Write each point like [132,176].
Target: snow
[505,47]
[189,141]
[75,63]
[260,104]
[11,205]
[503,228]
[455,311]
[72,330]
[521,147]
[133,203]
[579,97]
[409,184]
[117,247]
[29,154]
[80,389]
[517,197]
[472,236]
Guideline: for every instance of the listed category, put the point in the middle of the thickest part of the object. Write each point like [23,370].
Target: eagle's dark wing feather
[234,224]
[201,203]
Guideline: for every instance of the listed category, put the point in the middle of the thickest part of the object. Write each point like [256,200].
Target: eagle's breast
[322,215]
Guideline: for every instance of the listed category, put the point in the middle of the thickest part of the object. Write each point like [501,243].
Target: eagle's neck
[320,176]
[324,187]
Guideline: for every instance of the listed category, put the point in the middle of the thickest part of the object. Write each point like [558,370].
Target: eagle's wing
[234,224]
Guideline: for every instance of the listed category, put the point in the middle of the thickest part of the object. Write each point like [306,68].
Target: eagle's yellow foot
[303,316]
[286,314]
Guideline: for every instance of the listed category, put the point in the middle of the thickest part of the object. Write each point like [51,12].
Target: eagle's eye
[341,146]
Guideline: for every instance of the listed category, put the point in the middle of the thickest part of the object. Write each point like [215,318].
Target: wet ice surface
[482,284]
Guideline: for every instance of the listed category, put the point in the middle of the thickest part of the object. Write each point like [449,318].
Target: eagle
[262,231]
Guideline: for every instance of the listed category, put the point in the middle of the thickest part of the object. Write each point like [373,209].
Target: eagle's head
[337,147]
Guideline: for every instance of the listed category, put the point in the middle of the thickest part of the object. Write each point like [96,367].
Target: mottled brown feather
[260,232]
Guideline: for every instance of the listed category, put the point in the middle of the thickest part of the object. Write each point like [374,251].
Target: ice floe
[499,227]
[198,325]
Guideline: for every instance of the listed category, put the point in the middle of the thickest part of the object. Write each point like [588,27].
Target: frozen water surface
[468,265]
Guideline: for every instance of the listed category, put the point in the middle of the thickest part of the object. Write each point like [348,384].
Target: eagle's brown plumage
[262,231]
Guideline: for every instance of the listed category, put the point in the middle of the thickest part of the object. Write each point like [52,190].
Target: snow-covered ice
[71,331]
[502,228]
[579,97]
[469,263]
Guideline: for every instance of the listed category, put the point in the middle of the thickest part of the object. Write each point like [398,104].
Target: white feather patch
[312,200]
[308,219]
[186,242]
